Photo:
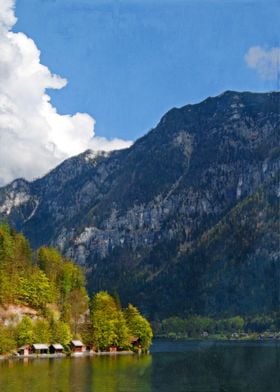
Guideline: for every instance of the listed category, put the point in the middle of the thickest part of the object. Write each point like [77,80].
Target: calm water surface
[171,367]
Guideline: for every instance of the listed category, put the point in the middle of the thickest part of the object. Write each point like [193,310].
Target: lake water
[171,367]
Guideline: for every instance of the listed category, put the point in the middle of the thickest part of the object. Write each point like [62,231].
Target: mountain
[184,221]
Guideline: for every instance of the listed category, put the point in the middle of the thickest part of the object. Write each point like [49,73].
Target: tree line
[196,326]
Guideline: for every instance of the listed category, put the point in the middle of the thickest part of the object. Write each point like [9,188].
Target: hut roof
[57,346]
[77,343]
[23,347]
[40,346]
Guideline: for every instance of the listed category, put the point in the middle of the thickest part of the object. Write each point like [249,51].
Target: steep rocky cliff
[185,220]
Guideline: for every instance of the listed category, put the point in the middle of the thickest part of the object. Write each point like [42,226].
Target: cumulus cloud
[34,137]
[265,62]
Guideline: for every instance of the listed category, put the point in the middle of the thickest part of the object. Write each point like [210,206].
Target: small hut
[77,346]
[113,349]
[40,348]
[24,350]
[136,344]
[90,348]
[56,348]
[135,341]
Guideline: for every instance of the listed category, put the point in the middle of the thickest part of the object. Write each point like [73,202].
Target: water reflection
[95,374]
[122,374]
[213,367]
[173,367]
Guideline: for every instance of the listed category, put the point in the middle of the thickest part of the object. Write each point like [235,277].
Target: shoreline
[221,338]
[13,357]
[65,355]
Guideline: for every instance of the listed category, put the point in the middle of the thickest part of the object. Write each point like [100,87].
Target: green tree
[66,278]
[78,305]
[50,261]
[122,331]
[103,316]
[36,289]
[86,332]
[60,332]
[174,325]
[237,323]
[7,340]
[24,332]
[41,331]
[138,326]
[108,322]
[8,276]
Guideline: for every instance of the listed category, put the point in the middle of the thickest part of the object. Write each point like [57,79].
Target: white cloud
[265,62]
[7,16]
[33,136]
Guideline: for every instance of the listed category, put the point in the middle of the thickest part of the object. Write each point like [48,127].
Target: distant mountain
[185,220]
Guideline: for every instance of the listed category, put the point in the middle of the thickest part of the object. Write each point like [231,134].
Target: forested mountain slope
[185,220]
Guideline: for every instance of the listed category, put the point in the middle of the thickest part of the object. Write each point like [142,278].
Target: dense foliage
[113,326]
[197,326]
[138,326]
[36,281]
[29,331]
[53,287]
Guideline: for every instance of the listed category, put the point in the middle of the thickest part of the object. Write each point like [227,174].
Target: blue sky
[129,61]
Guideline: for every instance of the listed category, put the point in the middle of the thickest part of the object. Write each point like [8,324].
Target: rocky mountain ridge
[129,216]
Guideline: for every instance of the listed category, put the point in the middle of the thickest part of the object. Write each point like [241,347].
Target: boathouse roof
[40,346]
[77,343]
[25,347]
[57,346]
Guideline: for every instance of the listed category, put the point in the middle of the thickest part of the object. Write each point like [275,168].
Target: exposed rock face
[130,216]
[11,315]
